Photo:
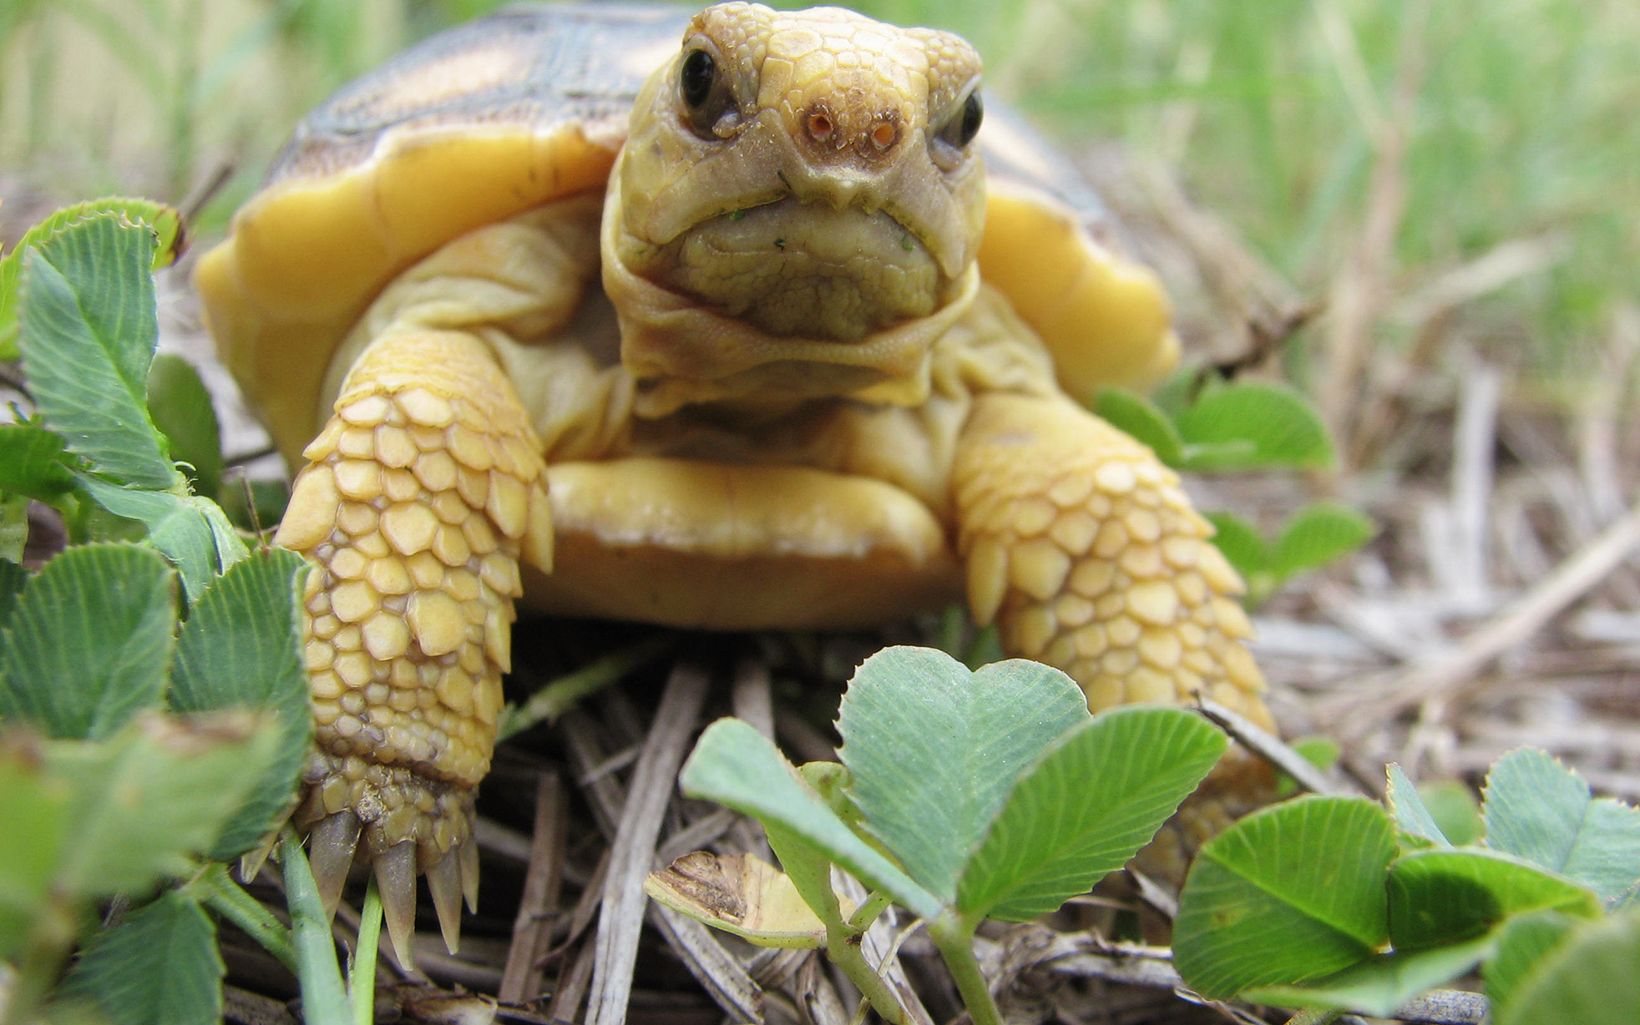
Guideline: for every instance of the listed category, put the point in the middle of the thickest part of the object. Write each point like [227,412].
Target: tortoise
[709,320]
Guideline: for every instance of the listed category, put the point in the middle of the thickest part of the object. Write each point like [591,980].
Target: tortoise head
[797,208]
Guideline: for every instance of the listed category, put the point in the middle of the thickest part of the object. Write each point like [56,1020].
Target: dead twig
[1443,676]
[1358,291]
[1270,748]
[653,783]
[543,885]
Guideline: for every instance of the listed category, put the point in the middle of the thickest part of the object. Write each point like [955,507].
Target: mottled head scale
[806,182]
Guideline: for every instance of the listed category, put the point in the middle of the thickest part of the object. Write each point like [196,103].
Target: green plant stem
[567,691]
[361,980]
[843,948]
[875,903]
[324,1001]
[953,936]
[228,899]
[49,944]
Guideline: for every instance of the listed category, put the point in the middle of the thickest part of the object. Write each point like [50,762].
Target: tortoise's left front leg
[1087,554]
[1083,548]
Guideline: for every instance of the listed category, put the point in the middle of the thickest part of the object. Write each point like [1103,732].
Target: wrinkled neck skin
[761,269]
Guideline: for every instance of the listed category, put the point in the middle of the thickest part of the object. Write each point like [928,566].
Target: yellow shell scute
[278,310]
[1106,319]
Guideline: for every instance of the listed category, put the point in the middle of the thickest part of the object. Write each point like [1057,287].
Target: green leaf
[739,768]
[1409,811]
[1287,894]
[1380,985]
[933,749]
[35,810]
[182,411]
[1589,979]
[1085,808]
[1453,806]
[191,532]
[1438,897]
[163,222]
[241,648]
[1523,943]
[14,529]
[805,864]
[1139,417]
[255,505]
[159,966]
[1317,535]
[1177,390]
[150,798]
[1542,811]
[32,462]
[89,329]
[12,579]
[1253,425]
[1321,752]
[1241,545]
[89,644]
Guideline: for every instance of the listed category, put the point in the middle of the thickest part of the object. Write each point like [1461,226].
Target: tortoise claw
[467,853]
[251,862]
[332,843]
[444,880]
[396,883]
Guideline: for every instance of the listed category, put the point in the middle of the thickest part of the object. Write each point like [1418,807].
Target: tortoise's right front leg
[421,495]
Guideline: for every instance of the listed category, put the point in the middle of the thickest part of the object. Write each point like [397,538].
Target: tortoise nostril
[820,127]
[884,134]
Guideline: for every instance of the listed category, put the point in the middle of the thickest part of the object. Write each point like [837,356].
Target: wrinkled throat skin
[796,211]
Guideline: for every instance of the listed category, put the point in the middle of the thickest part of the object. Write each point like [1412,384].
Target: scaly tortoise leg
[1087,554]
[421,495]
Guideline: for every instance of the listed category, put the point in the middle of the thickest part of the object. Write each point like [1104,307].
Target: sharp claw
[467,852]
[444,880]
[396,883]
[332,844]
[251,862]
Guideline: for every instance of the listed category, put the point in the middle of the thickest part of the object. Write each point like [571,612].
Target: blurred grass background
[1360,148]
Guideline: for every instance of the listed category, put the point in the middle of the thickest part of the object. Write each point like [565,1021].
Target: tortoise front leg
[1083,548]
[421,495]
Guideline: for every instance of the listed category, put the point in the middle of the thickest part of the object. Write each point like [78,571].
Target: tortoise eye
[698,76]
[705,93]
[961,129]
